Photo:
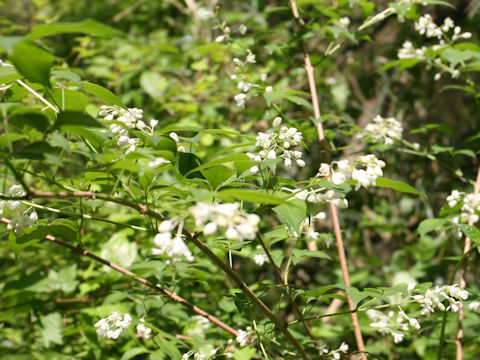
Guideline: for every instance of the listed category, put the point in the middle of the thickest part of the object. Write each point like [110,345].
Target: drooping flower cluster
[200,355]
[131,119]
[389,324]
[143,331]
[277,145]
[200,326]
[244,336]
[434,299]
[397,324]
[171,245]
[365,169]
[382,130]
[427,27]
[334,354]
[227,219]
[23,219]
[470,206]
[112,326]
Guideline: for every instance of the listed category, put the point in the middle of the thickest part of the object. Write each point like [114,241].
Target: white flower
[236,224]
[338,178]
[220,38]
[174,136]
[277,121]
[474,306]
[324,170]
[269,89]
[263,140]
[260,259]
[242,337]
[143,331]
[263,77]
[112,326]
[240,100]
[250,57]
[345,21]
[242,29]
[158,161]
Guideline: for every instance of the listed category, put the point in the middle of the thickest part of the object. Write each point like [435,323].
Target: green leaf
[75,118]
[292,213]
[64,280]
[301,254]
[131,353]
[455,57]
[217,175]
[8,42]
[33,62]
[168,348]
[8,74]
[51,331]
[102,93]
[88,26]
[255,196]
[272,96]
[245,354]
[153,84]
[187,162]
[70,76]
[471,231]
[398,186]
[30,117]
[119,249]
[429,225]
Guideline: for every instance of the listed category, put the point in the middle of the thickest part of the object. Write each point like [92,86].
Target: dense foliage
[247,180]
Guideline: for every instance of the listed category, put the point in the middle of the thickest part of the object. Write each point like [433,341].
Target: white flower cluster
[426,26]
[23,220]
[434,299]
[243,337]
[131,118]
[172,246]
[241,29]
[200,355]
[225,218]
[382,130]
[241,78]
[317,196]
[365,169]
[408,51]
[469,209]
[398,325]
[143,331]
[277,145]
[260,259]
[112,326]
[201,324]
[392,323]
[334,354]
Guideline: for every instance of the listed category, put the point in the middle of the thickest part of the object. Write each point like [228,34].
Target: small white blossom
[277,121]
[260,259]
[240,100]
[112,326]
[143,331]
[158,161]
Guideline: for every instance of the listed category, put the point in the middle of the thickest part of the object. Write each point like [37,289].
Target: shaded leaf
[33,62]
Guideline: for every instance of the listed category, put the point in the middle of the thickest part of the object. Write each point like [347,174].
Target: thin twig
[463,283]
[143,210]
[336,224]
[143,281]
[287,288]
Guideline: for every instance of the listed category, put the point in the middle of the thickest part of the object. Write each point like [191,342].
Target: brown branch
[463,283]
[336,224]
[189,237]
[143,281]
